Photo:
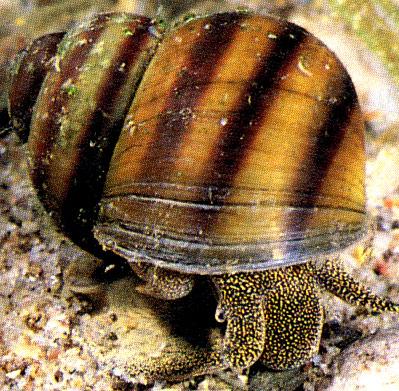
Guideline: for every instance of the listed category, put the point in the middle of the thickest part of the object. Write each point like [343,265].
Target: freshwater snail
[231,146]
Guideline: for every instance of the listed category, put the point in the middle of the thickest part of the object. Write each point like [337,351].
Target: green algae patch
[376,22]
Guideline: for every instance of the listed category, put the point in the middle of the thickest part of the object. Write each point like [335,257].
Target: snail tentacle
[333,278]
[176,365]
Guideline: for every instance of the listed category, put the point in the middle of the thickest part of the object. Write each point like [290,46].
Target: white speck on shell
[223,121]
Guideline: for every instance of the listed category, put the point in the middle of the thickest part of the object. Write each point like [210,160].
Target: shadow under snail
[231,145]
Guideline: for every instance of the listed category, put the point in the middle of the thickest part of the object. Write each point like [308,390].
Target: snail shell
[245,151]
[232,142]
[79,113]
[30,67]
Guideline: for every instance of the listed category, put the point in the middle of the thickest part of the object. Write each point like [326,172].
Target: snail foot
[162,283]
[241,307]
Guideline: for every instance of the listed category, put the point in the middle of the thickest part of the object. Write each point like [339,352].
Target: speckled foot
[241,307]
[178,365]
[162,283]
[333,278]
[293,316]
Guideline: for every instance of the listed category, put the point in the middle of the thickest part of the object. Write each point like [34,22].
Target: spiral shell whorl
[79,113]
[28,71]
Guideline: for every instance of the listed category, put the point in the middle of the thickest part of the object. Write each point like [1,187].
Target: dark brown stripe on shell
[241,128]
[316,165]
[42,143]
[192,84]
[32,66]
[92,162]
[329,137]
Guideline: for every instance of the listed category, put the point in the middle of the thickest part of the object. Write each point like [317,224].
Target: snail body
[230,146]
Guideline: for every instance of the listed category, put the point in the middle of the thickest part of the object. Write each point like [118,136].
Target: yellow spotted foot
[274,316]
[293,316]
[240,305]
[162,283]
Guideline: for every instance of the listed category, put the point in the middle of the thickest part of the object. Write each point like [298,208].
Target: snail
[230,145]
